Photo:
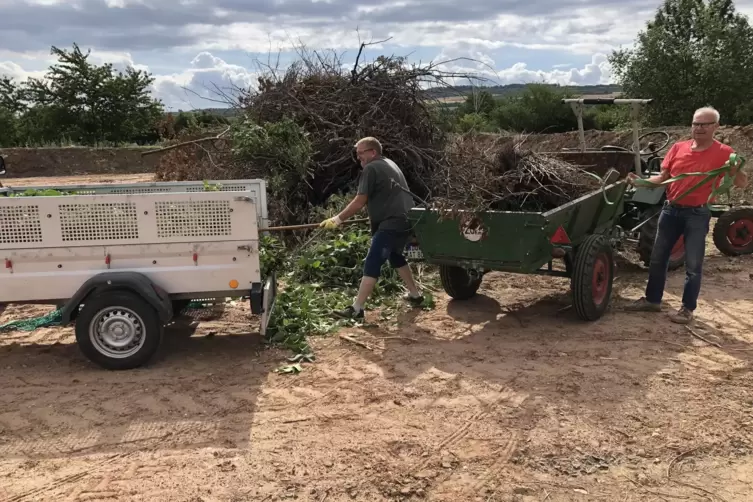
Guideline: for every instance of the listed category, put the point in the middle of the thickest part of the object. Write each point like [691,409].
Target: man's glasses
[703,124]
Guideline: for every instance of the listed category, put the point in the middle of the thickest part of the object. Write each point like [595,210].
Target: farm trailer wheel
[118,330]
[593,273]
[646,245]
[733,232]
[458,282]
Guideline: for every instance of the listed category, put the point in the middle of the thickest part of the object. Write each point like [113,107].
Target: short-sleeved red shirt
[682,159]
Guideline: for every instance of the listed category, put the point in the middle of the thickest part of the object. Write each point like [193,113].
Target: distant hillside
[461,91]
[457,94]
[222,112]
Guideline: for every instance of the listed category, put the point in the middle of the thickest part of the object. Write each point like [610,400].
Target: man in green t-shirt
[382,189]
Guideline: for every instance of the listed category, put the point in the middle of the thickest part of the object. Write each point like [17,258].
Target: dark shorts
[385,245]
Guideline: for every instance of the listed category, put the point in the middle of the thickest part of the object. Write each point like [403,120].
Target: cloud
[207,77]
[131,25]
[192,46]
[203,84]
[16,72]
[482,66]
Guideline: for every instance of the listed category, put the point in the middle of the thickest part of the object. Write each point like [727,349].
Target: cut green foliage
[50,192]
[318,279]
[53,192]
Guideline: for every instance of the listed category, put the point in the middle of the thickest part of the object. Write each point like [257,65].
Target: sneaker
[682,316]
[415,300]
[643,305]
[349,313]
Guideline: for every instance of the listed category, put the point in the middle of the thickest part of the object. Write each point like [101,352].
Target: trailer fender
[128,281]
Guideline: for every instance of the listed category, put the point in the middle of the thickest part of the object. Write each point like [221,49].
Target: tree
[479,102]
[81,102]
[693,54]
[538,109]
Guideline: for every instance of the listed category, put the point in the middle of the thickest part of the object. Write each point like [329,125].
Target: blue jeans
[385,245]
[693,224]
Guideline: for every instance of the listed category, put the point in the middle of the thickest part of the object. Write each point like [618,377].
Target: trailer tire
[458,282]
[129,318]
[733,232]
[646,245]
[593,273]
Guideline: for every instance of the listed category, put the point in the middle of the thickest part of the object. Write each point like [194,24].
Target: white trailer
[118,258]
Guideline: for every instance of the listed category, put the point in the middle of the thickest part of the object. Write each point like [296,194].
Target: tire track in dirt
[199,416]
[65,480]
[508,395]
[502,457]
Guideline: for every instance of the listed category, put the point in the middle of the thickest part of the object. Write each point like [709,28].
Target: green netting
[51,319]
[54,318]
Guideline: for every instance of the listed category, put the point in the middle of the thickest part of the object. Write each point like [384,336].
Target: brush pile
[299,127]
[297,130]
[502,175]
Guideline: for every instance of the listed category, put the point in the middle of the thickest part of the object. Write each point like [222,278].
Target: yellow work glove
[331,223]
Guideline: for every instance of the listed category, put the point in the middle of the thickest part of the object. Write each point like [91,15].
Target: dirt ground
[507,397]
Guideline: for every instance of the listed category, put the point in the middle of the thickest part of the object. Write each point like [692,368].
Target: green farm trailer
[583,233]
[466,246]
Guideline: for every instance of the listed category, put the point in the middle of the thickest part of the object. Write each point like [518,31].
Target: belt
[684,206]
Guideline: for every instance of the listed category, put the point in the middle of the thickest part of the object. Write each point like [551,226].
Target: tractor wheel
[733,232]
[593,273]
[458,282]
[646,245]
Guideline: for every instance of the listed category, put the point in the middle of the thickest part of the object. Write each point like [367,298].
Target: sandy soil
[507,397]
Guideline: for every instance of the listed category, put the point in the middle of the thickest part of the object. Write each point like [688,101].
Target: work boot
[643,305]
[682,316]
[349,313]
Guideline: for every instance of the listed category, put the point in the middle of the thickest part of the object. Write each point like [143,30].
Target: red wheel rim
[678,251]
[740,233]
[600,279]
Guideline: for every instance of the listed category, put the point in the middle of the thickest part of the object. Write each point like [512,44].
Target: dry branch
[331,105]
[185,143]
[335,104]
[502,175]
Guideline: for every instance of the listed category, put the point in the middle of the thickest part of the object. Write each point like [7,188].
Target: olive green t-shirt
[387,204]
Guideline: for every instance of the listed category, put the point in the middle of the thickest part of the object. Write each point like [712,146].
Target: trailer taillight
[560,237]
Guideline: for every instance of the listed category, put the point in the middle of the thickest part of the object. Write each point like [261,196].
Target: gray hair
[370,142]
[708,109]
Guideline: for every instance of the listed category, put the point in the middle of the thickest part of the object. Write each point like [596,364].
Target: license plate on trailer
[413,252]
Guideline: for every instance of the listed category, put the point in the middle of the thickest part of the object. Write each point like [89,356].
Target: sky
[196,47]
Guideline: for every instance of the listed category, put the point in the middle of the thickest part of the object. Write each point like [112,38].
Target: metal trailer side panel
[257,187]
[184,242]
[513,241]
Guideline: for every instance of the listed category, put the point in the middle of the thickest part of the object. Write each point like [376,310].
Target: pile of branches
[500,174]
[317,109]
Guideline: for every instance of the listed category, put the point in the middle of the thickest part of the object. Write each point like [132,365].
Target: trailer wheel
[733,232]
[593,273]
[646,245]
[118,330]
[458,282]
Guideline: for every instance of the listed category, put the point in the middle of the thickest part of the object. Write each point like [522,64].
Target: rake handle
[306,226]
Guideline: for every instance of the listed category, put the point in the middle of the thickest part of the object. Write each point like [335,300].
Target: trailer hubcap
[117,332]
[600,280]
[740,233]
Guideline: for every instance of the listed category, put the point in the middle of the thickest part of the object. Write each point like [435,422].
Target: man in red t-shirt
[687,216]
